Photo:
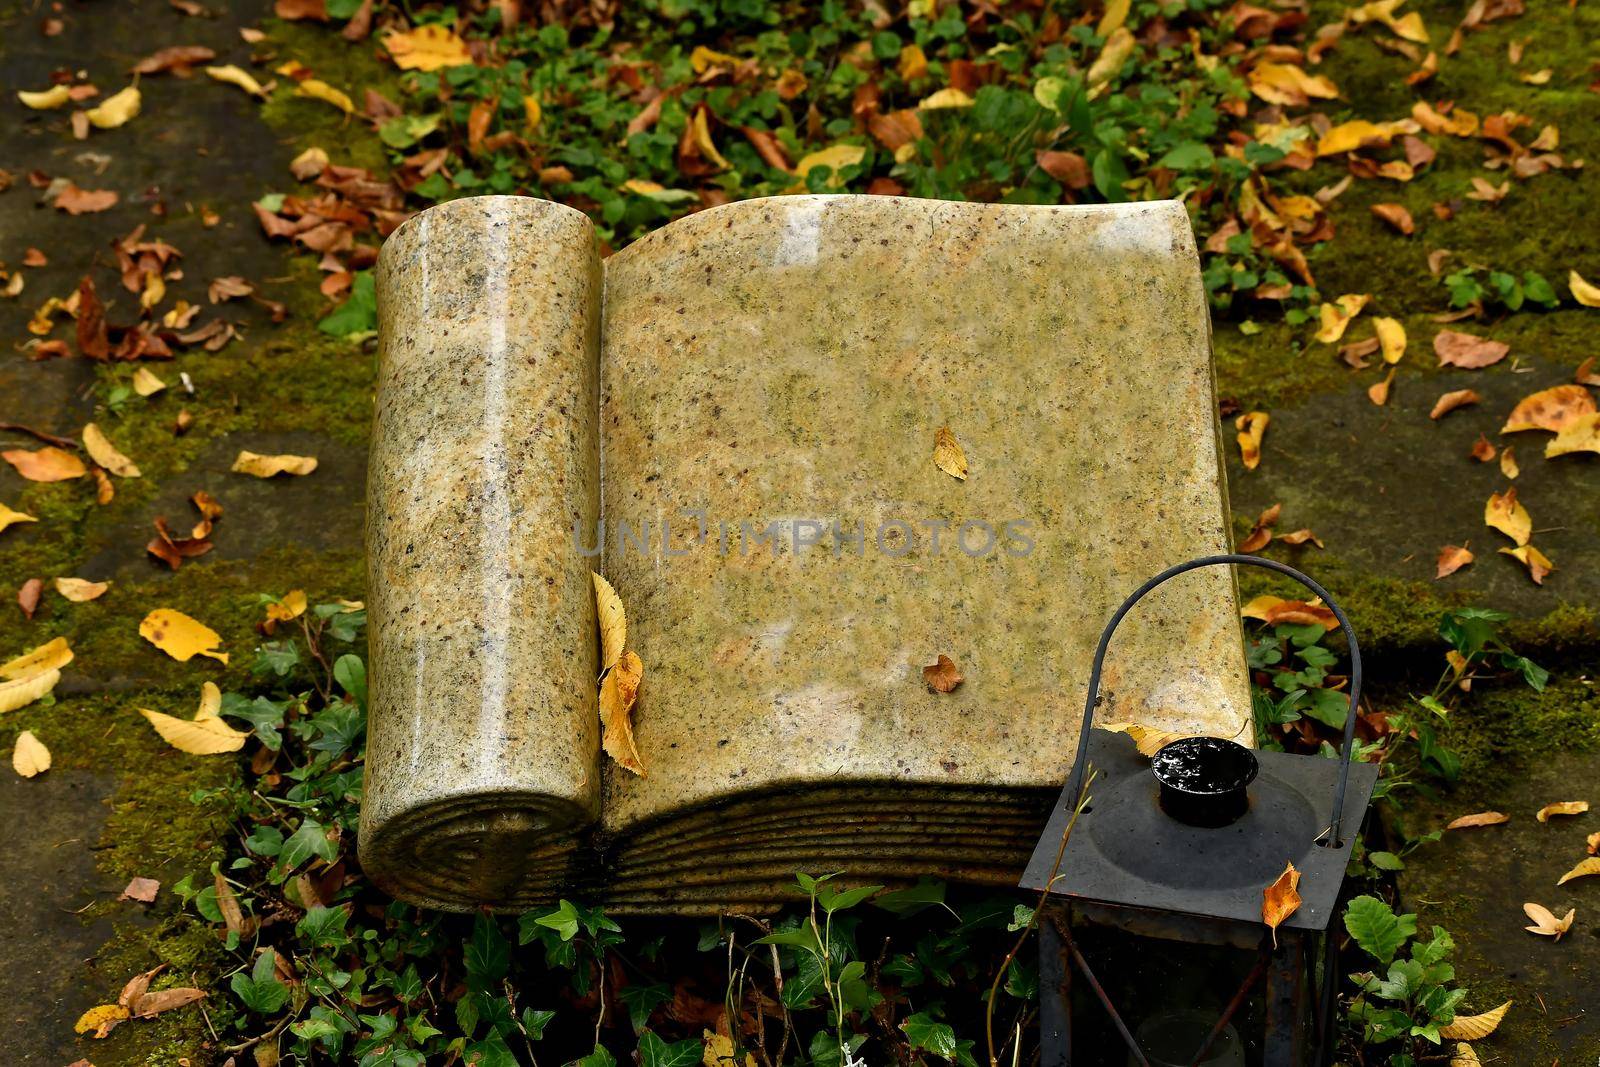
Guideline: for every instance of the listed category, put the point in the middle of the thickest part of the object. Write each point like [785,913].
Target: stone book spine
[733,419]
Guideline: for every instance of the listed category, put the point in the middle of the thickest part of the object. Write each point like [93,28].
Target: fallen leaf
[116,109]
[942,676]
[269,466]
[102,1019]
[1593,843]
[948,455]
[233,75]
[28,596]
[1147,739]
[1396,216]
[1456,349]
[1474,1027]
[1280,900]
[1580,435]
[1349,136]
[1113,54]
[1300,537]
[145,383]
[1451,559]
[613,621]
[1545,922]
[204,735]
[317,89]
[48,464]
[1552,409]
[1378,392]
[1537,562]
[103,452]
[1282,83]
[1261,532]
[1482,450]
[1481,818]
[52,655]
[618,691]
[1392,336]
[150,1004]
[1508,463]
[30,757]
[142,890]
[835,159]
[177,59]
[76,201]
[1463,1056]
[181,637]
[291,607]
[1252,427]
[1584,293]
[1505,513]
[1582,870]
[1273,610]
[426,48]
[10,518]
[1335,317]
[1562,807]
[1585,374]
[79,590]
[1457,398]
[45,99]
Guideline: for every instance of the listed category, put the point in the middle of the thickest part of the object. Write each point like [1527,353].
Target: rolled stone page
[774,377]
[483,726]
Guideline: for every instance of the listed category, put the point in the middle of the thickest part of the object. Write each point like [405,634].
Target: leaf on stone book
[52,655]
[426,48]
[1451,559]
[948,454]
[1147,739]
[1552,409]
[1475,1027]
[29,757]
[1505,513]
[1481,818]
[204,735]
[270,466]
[613,619]
[21,692]
[49,464]
[116,110]
[101,1019]
[1456,349]
[1252,427]
[1545,922]
[79,590]
[1583,870]
[9,517]
[180,636]
[1562,807]
[618,691]
[942,676]
[1580,435]
[103,452]
[1538,564]
[1508,462]
[1280,900]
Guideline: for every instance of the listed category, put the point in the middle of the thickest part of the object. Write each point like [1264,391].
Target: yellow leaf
[1545,922]
[1552,409]
[913,62]
[835,158]
[1392,336]
[1584,293]
[1475,1027]
[102,1019]
[30,757]
[1348,136]
[1336,316]
[613,622]
[1580,435]
[146,383]
[618,692]
[1458,123]
[237,76]
[1408,26]
[1505,513]
[700,131]
[52,655]
[155,290]
[103,452]
[1116,14]
[45,99]
[1562,807]
[181,637]
[9,517]
[24,691]
[942,100]
[1147,739]
[78,590]
[703,59]
[532,112]
[1463,1056]
[116,109]
[1582,870]
[1537,562]
[1252,427]
[291,607]
[426,48]
[318,89]
[1284,83]
[717,1048]
[1280,900]
[204,735]
[948,455]
[268,466]
[1508,462]
[1118,47]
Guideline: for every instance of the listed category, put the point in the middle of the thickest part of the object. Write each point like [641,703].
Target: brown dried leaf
[76,201]
[948,455]
[1537,562]
[1475,1027]
[142,890]
[1456,349]
[1561,807]
[79,590]
[1378,392]
[1280,900]
[1482,449]
[1457,398]
[1300,537]
[179,59]
[1481,818]
[48,464]
[618,691]
[1545,922]
[1508,463]
[1551,409]
[942,677]
[1451,559]
[1396,215]
[164,1000]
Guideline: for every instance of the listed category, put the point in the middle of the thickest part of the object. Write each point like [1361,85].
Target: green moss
[351,68]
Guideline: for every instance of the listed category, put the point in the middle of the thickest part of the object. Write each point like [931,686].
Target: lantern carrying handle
[1081,764]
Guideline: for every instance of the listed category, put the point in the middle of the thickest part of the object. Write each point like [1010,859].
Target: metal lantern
[1180,849]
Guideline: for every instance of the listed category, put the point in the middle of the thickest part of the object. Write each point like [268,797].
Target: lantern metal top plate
[1126,851]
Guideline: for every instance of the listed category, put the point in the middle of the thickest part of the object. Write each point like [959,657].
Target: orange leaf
[1456,349]
[1551,409]
[1482,818]
[1562,807]
[49,464]
[1458,398]
[1281,899]
[1451,559]
[942,677]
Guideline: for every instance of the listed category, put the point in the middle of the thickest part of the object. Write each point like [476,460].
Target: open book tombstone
[739,412]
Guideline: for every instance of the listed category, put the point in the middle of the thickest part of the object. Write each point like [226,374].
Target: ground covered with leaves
[1393,208]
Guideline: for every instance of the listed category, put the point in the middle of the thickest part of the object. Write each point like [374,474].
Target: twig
[47,438]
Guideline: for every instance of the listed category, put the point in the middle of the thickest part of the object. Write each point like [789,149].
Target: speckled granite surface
[483,729]
[778,365]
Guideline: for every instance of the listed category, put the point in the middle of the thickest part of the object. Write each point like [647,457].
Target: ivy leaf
[308,841]
[490,1052]
[925,894]
[260,990]
[654,1052]
[642,1000]
[488,954]
[564,920]
[323,927]
[925,1032]
[598,1058]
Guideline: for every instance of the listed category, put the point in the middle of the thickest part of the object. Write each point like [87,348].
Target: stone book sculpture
[734,419]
